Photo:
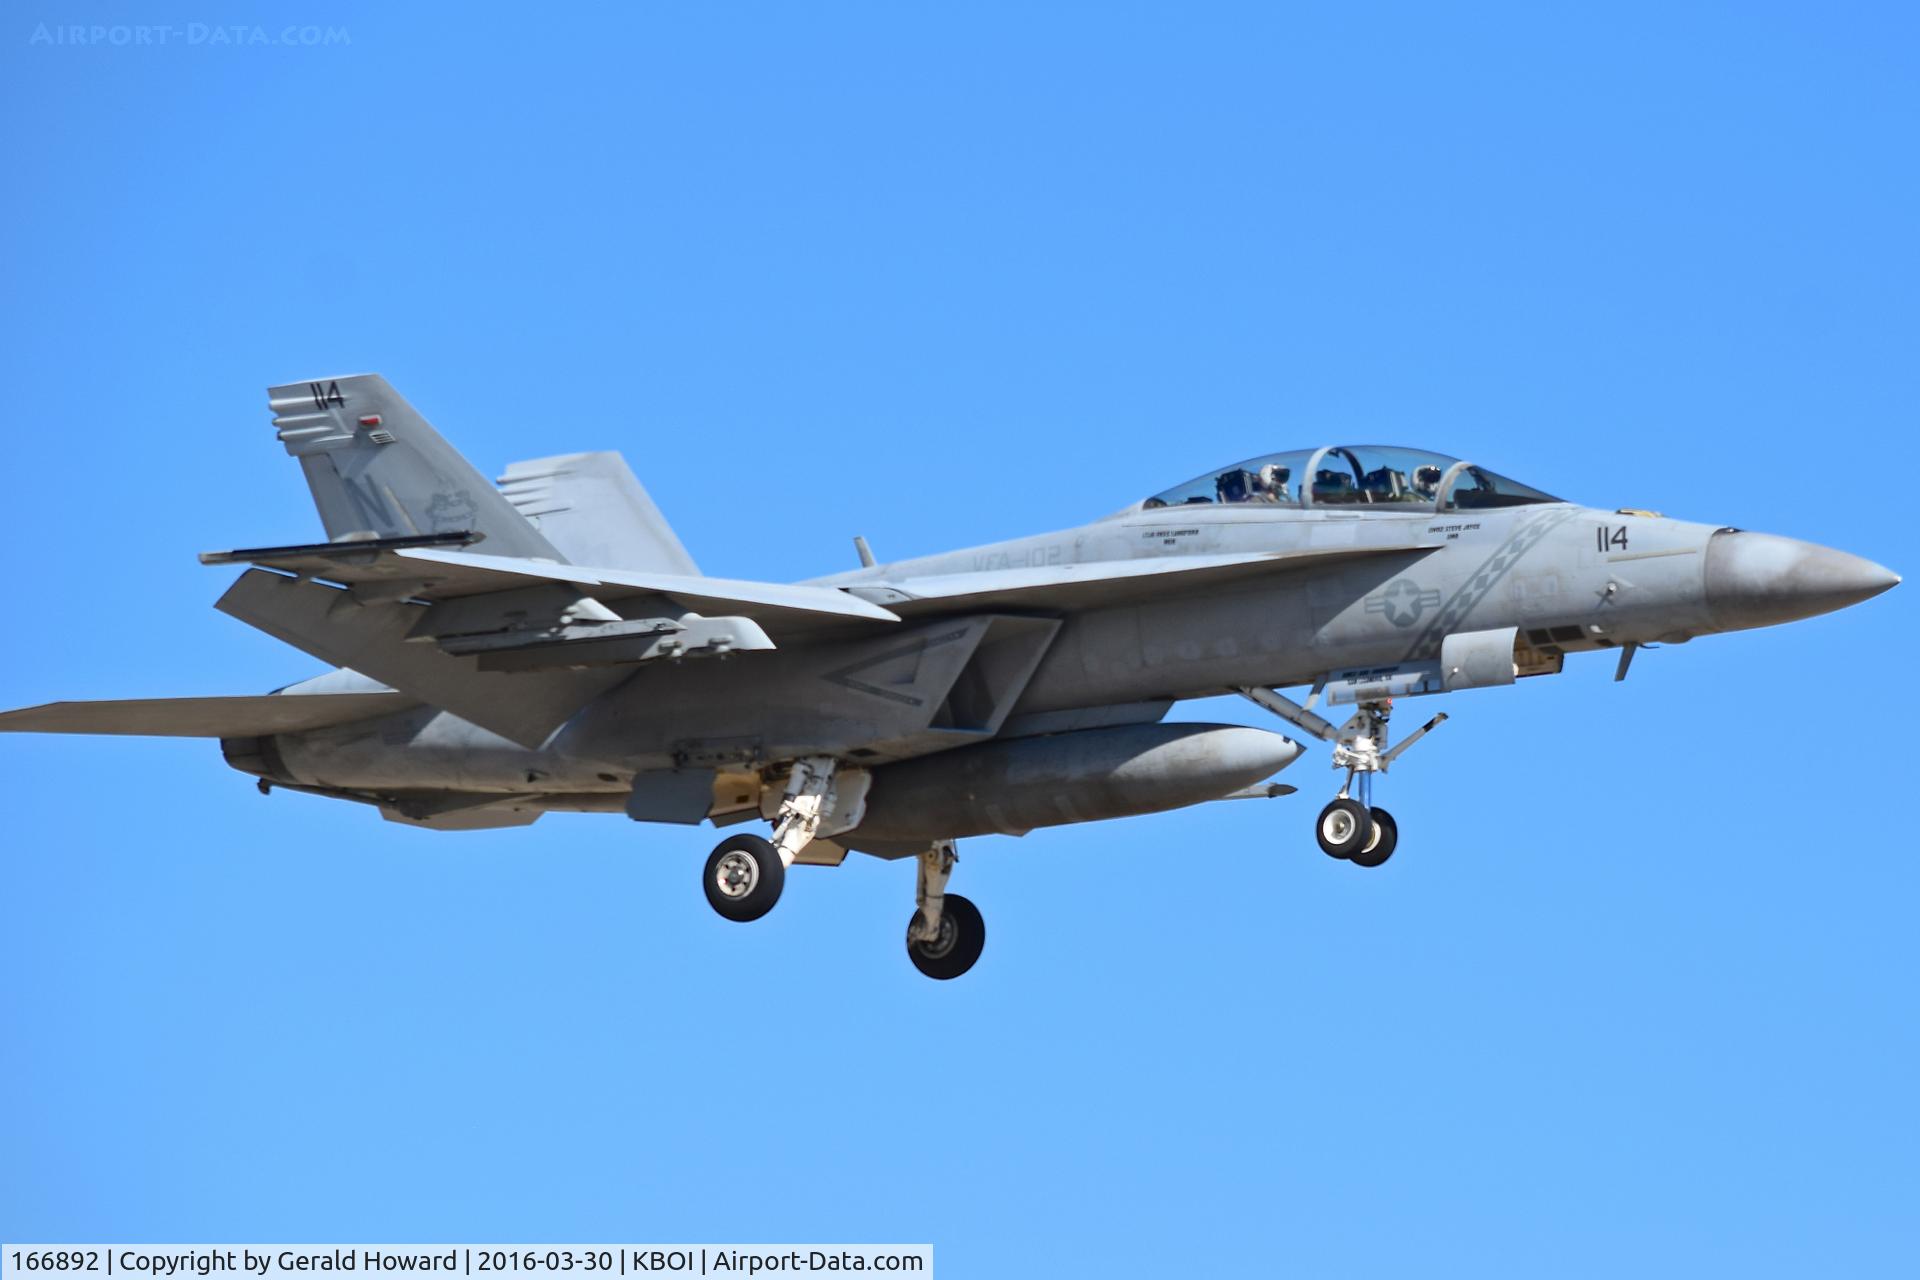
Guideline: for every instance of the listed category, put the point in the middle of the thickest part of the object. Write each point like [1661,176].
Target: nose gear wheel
[1344,828]
[1386,834]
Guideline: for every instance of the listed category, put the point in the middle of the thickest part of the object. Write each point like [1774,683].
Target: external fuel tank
[1013,786]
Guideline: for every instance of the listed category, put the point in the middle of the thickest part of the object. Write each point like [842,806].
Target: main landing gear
[946,933]
[1351,828]
[745,873]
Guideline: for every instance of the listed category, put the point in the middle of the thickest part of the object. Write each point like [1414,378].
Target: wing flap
[242,717]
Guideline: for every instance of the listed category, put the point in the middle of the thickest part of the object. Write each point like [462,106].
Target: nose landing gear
[1345,828]
[1351,828]
[1355,832]
[1380,846]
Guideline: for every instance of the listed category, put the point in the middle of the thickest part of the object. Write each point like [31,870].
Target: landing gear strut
[744,874]
[1350,827]
[946,934]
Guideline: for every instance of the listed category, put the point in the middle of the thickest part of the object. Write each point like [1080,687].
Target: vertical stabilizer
[376,468]
[591,507]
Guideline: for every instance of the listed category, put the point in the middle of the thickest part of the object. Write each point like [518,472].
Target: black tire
[1343,828]
[962,936]
[1380,848]
[744,877]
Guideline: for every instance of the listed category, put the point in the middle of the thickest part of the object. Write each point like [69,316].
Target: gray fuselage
[1570,578]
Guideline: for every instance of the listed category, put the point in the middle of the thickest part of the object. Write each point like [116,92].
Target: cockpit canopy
[1361,475]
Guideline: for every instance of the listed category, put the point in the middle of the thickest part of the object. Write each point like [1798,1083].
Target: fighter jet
[546,643]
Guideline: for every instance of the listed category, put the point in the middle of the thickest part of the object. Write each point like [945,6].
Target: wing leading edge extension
[1099,582]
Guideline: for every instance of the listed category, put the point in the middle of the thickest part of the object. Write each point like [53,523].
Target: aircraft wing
[431,568]
[1101,581]
[515,645]
[733,595]
[245,717]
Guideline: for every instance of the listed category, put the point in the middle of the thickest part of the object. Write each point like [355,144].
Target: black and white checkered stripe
[1527,533]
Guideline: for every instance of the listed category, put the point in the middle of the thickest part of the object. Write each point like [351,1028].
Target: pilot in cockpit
[1426,482]
[1234,485]
[1268,484]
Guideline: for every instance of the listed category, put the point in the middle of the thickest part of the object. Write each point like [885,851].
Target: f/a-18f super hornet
[548,644]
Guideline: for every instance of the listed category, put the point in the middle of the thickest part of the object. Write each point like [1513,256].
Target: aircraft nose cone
[1757,579]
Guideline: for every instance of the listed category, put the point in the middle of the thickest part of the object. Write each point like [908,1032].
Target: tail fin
[376,467]
[591,507]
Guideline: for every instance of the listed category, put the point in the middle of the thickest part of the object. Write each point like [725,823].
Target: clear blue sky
[1636,994]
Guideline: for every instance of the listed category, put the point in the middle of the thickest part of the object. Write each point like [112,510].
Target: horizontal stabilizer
[245,717]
